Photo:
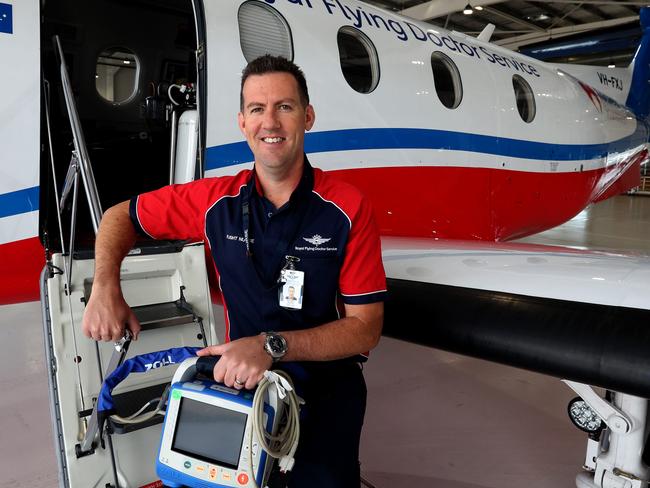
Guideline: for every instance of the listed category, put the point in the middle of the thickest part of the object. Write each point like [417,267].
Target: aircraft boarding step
[169,293]
[152,316]
[167,314]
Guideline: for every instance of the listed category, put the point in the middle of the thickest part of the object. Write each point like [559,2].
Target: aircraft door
[132,65]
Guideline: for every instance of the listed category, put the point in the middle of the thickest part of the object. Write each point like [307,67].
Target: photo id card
[292,284]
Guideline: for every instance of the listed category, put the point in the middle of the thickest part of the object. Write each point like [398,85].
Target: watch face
[276,346]
[276,343]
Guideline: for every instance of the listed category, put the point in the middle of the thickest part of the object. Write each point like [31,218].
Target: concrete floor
[621,223]
[434,419]
[26,445]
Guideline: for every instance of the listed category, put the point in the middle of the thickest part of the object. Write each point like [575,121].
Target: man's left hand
[242,364]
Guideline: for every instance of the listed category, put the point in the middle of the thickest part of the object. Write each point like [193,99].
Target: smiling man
[294,227]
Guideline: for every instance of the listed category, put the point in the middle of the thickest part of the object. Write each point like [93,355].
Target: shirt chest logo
[316,242]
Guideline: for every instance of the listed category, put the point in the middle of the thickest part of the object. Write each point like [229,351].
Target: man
[283,223]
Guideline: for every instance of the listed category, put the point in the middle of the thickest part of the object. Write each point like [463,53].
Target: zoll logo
[159,364]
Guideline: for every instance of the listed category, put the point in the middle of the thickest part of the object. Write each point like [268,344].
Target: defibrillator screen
[209,433]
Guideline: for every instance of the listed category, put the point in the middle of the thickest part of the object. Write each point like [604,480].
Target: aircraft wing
[575,314]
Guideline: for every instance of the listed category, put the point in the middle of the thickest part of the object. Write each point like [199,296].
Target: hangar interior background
[478,424]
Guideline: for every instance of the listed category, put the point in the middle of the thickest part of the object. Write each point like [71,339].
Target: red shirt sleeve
[362,278]
[173,212]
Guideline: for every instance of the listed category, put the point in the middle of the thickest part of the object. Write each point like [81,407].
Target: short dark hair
[274,64]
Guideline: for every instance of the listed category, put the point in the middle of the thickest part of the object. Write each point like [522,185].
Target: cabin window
[446,80]
[359,60]
[525,98]
[263,30]
[116,75]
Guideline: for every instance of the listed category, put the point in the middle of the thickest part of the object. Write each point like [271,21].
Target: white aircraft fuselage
[476,171]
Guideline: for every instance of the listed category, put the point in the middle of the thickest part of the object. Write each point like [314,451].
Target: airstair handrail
[81,150]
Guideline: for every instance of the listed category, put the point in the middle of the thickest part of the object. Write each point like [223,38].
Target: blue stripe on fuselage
[27,200]
[356,139]
[17,202]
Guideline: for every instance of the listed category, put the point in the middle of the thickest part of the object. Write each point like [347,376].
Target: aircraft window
[263,30]
[359,60]
[116,75]
[525,98]
[446,79]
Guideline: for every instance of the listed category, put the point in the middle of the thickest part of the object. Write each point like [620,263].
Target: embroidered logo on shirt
[316,240]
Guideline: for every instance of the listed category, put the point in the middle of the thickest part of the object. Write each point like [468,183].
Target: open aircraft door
[166,284]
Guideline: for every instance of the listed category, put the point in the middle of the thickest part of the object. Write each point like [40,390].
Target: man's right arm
[107,313]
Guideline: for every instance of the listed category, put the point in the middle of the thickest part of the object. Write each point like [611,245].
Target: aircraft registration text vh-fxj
[459,144]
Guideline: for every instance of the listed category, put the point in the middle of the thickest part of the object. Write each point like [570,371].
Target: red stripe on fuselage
[424,201]
[471,203]
[22,263]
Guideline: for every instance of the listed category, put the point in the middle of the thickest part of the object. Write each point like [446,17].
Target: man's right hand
[107,315]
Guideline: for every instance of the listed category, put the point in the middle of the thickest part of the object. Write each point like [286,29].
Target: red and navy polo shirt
[326,223]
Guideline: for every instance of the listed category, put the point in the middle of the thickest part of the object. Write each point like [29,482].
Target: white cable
[137,418]
[142,409]
[169,93]
[283,445]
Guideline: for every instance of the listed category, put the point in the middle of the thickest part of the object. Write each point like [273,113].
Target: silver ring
[240,383]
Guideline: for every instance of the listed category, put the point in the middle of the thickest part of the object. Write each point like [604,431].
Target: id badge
[292,285]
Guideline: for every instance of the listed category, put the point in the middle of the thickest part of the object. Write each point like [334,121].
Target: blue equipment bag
[137,364]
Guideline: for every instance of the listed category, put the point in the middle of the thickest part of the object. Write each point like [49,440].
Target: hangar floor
[434,419]
[620,223]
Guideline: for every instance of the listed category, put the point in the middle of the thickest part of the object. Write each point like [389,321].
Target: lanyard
[289,234]
[246,220]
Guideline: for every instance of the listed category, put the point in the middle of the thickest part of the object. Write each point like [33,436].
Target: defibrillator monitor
[208,438]
[197,426]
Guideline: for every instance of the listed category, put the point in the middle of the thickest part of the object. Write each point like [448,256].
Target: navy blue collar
[302,191]
[299,194]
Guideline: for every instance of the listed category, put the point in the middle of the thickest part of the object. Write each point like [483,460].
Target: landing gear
[614,454]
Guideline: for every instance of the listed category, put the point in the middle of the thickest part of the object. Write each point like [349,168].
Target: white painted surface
[595,76]
[17,227]
[550,272]
[405,96]
[20,103]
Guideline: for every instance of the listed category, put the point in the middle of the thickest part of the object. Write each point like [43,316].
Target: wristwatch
[275,345]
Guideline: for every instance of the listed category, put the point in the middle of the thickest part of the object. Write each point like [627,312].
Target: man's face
[274,120]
